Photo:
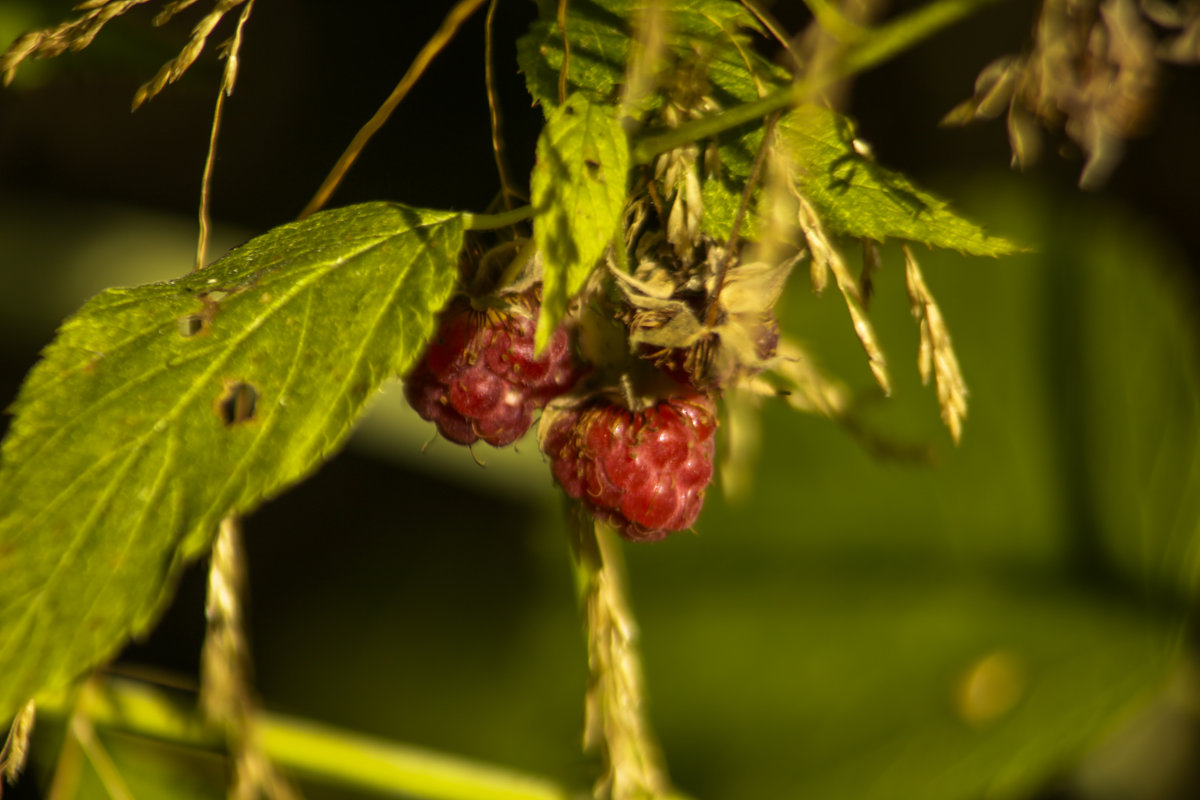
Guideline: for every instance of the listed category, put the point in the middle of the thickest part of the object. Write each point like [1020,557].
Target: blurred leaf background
[854,627]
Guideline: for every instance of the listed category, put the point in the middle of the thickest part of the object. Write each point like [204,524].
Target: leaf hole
[593,166]
[191,325]
[237,403]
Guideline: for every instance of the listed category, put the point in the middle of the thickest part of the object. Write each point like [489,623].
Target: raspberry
[478,378]
[644,472]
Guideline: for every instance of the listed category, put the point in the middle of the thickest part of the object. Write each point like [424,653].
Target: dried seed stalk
[229,50]
[16,745]
[826,257]
[173,69]
[615,718]
[225,693]
[73,35]
[442,37]
[936,355]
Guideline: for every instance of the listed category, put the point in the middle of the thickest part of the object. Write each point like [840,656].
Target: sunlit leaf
[858,197]
[158,410]
[578,190]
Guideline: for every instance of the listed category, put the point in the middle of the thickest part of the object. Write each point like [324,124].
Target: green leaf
[706,35]
[161,409]
[857,197]
[578,188]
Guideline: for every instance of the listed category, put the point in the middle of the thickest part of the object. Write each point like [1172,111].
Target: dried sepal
[1093,72]
[994,89]
[822,250]
[669,312]
[806,386]
[936,357]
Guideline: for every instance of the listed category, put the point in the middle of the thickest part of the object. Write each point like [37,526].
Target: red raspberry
[478,378]
[644,472]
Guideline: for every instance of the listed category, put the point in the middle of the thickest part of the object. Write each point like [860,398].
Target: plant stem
[867,51]
[317,752]
[489,222]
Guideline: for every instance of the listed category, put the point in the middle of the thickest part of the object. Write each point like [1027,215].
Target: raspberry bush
[693,178]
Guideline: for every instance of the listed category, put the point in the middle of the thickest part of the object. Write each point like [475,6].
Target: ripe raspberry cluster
[644,472]
[479,379]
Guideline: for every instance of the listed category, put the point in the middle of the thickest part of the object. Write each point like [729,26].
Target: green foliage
[709,36]
[578,189]
[938,633]
[857,197]
[159,410]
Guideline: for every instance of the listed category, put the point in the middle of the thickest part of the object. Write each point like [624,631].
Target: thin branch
[710,317]
[450,26]
[562,72]
[489,222]
[497,120]
[775,29]
[228,80]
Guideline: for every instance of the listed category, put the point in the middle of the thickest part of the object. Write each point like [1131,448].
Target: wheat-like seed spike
[229,50]
[936,355]
[16,744]
[171,9]
[173,69]
[615,719]
[74,35]
[822,249]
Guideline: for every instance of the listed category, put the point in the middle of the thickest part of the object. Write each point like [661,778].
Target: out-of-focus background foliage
[1007,620]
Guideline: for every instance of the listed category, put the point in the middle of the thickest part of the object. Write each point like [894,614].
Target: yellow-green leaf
[578,188]
[856,196]
[161,409]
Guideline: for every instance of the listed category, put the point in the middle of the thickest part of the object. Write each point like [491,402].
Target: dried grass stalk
[936,356]
[74,35]
[450,26]
[229,50]
[615,720]
[225,693]
[16,745]
[827,257]
[173,69]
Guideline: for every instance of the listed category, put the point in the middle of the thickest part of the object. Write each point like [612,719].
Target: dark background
[403,541]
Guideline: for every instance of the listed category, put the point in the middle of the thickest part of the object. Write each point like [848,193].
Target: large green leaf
[578,188]
[159,410]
